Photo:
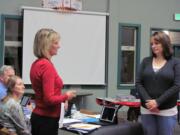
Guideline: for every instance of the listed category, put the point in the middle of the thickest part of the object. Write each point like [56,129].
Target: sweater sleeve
[176,86]
[17,117]
[139,82]
[49,78]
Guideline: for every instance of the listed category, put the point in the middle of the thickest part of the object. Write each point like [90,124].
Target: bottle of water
[73,110]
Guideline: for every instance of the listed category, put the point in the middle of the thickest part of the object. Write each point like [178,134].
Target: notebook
[108,116]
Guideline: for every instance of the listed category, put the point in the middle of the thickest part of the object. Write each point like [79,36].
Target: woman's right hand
[152,105]
[71,94]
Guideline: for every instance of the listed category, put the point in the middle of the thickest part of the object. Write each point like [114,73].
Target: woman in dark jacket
[158,84]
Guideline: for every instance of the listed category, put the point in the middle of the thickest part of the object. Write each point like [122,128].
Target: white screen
[81,58]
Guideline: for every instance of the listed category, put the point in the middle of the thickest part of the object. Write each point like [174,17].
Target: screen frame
[25,100]
[113,117]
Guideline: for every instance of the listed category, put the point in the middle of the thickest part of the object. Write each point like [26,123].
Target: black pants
[42,125]
[133,113]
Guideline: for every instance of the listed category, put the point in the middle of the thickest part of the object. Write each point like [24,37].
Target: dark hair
[163,39]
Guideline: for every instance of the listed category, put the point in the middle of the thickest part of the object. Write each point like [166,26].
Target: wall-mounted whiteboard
[81,58]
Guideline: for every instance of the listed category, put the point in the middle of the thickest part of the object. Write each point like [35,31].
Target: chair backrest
[127,128]
[134,92]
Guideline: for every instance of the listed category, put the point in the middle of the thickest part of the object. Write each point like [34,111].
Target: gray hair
[5,68]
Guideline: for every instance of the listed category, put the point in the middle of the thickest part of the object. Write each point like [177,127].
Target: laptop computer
[25,100]
[108,116]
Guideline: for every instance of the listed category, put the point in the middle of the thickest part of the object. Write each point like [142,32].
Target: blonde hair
[11,83]
[43,41]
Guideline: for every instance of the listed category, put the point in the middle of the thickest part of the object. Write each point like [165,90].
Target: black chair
[127,128]
[133,112]
[178,110]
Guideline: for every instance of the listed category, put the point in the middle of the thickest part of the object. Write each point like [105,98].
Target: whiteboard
[81,58]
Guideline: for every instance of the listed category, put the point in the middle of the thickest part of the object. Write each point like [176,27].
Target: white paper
[67,3]
[61,116]
[70,120]
[76,4]
[84,126]
[52,3]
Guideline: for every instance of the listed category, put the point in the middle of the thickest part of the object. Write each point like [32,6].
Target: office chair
[178,106]
[127,128]
[133,112]
[4,131]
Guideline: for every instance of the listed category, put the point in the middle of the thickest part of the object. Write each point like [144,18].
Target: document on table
[78,125]
[70,120]
[84,126]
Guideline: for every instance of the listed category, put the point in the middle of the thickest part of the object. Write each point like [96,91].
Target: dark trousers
[42,125]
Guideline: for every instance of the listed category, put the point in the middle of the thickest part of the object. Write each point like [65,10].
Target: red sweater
[47,85]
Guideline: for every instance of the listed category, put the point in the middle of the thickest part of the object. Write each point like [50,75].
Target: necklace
[158,63]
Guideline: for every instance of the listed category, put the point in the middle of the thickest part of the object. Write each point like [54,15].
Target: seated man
[5,72]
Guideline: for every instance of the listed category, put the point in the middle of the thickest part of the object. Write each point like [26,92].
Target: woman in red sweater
[47,84]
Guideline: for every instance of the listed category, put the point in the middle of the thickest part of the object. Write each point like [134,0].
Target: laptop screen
[25,100]
[108,114]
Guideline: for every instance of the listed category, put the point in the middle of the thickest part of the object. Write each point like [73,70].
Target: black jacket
[163,86]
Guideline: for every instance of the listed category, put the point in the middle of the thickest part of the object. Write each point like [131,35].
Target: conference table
[105,102]
[79,101]
[114,101]
[130,103]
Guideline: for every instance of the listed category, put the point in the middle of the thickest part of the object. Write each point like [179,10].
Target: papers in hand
[62,116]
[84,126]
